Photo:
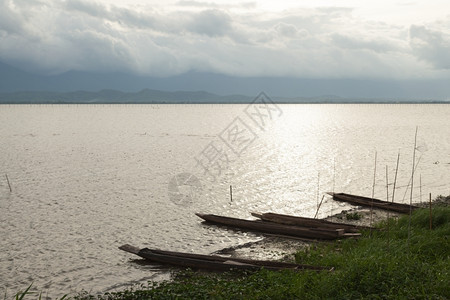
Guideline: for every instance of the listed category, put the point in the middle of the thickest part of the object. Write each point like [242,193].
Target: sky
[398,39]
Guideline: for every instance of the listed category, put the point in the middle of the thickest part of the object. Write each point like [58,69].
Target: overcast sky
[385,39]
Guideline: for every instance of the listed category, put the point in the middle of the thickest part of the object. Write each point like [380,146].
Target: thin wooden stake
[231,194]
[431,217]
[420,187]
[7,179]
[317,211]
[387,199]
[334,173]
[373,190]
[395,179]
[318,188]
[410,178]
[334,184]
[412,184]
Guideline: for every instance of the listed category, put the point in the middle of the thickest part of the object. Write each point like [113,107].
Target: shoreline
[283,248]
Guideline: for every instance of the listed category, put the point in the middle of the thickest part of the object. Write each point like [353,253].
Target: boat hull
[212,262]
[376,203]
[308,222]
[274,228]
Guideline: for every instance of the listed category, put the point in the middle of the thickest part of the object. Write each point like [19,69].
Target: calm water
[89,178]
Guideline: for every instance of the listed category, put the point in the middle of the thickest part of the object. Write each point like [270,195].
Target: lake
[86,179]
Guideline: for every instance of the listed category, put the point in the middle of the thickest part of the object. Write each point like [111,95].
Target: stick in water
[420,190]
[412,184]
[231,194]
[410,178]
[431,217]
[318,188]
[395,179]
[7,179]
[387,199]
[373,190]
[334,173]
[317,211]
[334,184]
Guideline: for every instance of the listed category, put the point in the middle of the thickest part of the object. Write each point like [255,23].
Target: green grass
[381,265]
[27,292]
[385,264]
[352,216]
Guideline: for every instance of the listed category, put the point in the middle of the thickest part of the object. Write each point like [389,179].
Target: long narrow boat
[370,202]
[212,262]
[307,222]
[274,228]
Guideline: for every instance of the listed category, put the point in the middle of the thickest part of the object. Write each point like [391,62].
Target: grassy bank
[382,264]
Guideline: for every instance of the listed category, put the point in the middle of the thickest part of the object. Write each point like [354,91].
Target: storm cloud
[51,37]
[432,45]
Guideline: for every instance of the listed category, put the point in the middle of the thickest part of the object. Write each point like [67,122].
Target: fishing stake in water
[431,217]
[7,179]
[373,191]
[231,194]
[387,200]
[412,184]
[318,207]
[395,179]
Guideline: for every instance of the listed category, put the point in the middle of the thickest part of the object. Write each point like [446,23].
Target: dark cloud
[53,37]
[11,21]
[210,22]
[430,45]
[375,44]
[123,16]
[197,4]
[91,8]
[286,29]
[204,4]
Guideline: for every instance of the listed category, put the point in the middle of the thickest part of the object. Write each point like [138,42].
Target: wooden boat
[307,222]
[376,203]
[274,228]
[212,262]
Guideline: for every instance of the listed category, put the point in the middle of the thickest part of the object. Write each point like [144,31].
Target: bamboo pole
[9,184]
[431,217]
[231,194]
[387,199]
[412,184]
[373,189]
[318,188]
[410,178]
[395,179]
[317,211]
[334,185]
[334,173]
[420,189]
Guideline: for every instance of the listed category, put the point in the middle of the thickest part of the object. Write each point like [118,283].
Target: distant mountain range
[156,96]
[18,86]
[112,96]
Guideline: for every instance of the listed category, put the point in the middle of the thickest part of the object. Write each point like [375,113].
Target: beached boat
[275,228]
[308,222]
[212,262]
[370,202]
